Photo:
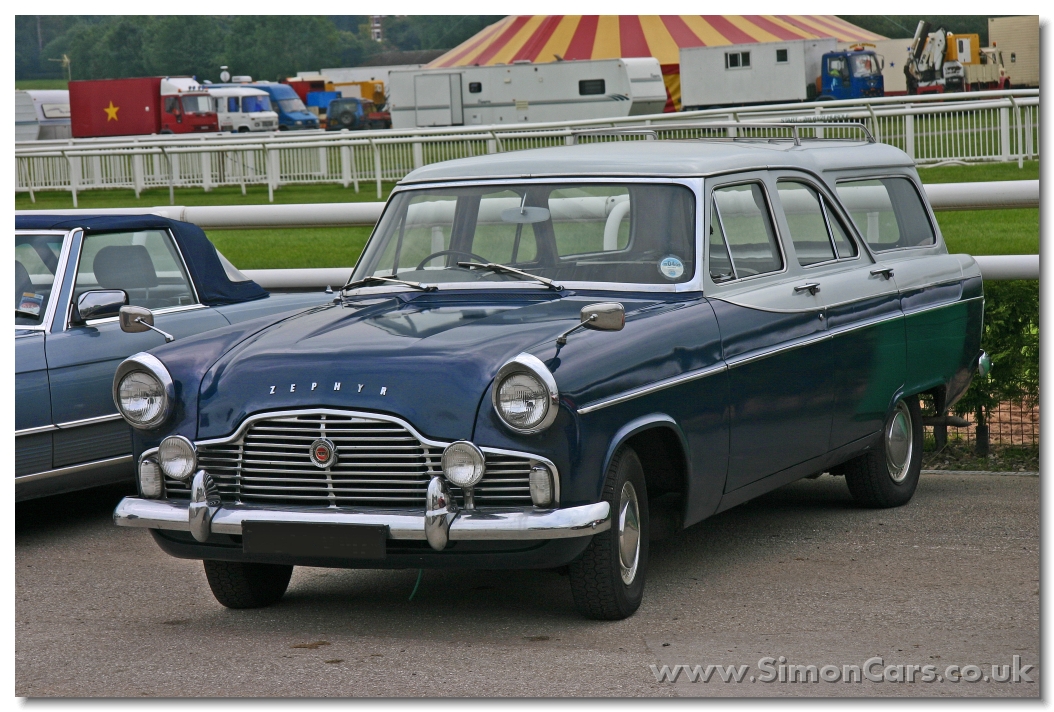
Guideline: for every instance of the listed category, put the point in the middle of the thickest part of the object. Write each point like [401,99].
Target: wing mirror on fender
[604,316]
[138,319]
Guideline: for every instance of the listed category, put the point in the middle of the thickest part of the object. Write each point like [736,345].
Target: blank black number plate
[344,541]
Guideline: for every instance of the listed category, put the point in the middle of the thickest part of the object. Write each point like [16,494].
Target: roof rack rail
[794,126]
[648,134]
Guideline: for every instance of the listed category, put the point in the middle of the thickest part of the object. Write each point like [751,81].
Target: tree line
[263,46]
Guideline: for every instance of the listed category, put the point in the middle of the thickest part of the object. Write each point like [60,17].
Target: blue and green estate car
[73,276]
[550,357]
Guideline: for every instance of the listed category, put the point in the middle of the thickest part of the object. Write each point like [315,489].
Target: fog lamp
[463,464]
[178,457]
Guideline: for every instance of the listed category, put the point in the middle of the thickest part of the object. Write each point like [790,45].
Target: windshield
[36,259]
[291,105]
[865,65]
[196,104]
[252,104]
[620,233]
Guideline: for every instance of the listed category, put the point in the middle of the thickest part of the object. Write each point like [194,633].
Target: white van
[526,92]
[243,109]
[42,114]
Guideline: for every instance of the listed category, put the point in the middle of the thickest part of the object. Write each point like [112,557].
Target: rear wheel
[888,475]
[242,585]
[607,581]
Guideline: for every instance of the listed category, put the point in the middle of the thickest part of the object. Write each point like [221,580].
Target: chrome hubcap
[628,533]
[899,443]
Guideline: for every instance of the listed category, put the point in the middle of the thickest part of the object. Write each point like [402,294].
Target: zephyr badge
[323,453]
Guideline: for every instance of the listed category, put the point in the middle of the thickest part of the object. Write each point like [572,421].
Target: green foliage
[1011,338]
[900,26]
[190,45]
[415,32]
[277,46]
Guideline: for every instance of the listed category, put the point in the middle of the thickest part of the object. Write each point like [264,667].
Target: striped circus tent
[551,38]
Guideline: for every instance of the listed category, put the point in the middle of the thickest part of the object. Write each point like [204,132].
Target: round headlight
[525,395]
[463,463]
[143,391]
[178,457]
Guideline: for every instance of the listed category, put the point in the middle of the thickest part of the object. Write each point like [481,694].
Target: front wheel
[888,475]
[241,585]
[607,580]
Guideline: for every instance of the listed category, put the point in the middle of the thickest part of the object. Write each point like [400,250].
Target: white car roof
[235,91]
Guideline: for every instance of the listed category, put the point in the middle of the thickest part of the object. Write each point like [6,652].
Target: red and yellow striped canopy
[547,38]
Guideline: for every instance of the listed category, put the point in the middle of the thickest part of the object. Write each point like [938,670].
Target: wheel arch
[663,450]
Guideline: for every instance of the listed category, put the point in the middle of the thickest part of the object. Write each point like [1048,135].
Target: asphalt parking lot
[950,579]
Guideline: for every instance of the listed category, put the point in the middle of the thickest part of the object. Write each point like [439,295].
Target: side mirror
[98,304]
[129,316]
[606,316]
[138,319]
[603,316]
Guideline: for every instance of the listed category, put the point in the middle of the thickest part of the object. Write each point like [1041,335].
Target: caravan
[523,92]
[42,114]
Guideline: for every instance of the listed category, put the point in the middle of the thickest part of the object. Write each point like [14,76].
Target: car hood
[427,358]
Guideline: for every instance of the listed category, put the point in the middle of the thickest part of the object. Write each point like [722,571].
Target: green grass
[41,84]
[982,232]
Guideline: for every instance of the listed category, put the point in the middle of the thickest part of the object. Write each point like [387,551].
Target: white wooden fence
[980,126]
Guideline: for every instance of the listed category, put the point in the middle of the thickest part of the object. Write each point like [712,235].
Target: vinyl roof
[668,158]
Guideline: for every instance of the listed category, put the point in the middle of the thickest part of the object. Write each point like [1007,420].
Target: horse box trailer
[42,114]
[139,106]
[759,73]
[525,92]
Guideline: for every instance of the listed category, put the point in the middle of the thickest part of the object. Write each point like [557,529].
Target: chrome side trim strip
[485,524]
[84,466]
[35,431]
[945,305]
[873,321]
[653,387]
[89,421]
[759,354]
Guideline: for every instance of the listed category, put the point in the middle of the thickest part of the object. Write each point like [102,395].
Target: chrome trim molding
[84,466]
[36,430]
[89,421]
[945,305]
[763,353]
[490,524]
[653,387]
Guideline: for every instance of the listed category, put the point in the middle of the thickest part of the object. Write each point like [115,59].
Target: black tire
[240,585]
[598,585]
[874,478]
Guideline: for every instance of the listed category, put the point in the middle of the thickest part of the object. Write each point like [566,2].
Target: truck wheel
[241,585]
[607,580]
[888,475]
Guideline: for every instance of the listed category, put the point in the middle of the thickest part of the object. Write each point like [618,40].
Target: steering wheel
[432,256]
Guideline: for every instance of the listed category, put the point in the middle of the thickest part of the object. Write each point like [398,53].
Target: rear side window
[741,219]
[814,228]
[888,212]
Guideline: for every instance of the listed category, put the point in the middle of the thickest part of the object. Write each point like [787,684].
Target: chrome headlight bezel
[531,365]
[191,456]
[152,366]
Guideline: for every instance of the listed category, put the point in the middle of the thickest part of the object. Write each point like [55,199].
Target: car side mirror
[603,316]
[138,319]
[98,304]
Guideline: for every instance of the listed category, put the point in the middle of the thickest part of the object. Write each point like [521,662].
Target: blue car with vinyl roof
[76,280]
[550,357]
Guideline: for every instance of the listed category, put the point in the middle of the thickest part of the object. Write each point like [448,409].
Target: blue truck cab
[851,74]
[292,114]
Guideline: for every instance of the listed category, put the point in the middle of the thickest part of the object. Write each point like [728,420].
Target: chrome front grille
[380,463]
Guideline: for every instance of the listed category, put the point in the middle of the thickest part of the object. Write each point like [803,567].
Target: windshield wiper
[495,267]
[370,280]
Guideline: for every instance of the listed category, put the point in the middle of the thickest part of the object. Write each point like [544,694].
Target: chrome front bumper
[202,517]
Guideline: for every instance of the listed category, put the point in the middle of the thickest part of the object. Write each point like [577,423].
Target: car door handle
[810,287]
[886,272]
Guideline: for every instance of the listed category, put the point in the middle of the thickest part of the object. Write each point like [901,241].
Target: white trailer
[42,114]
[1018,39]
[525,92]
[759,73]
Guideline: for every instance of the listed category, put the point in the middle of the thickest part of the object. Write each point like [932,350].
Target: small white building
[762,72]
[42,114]
[524,92]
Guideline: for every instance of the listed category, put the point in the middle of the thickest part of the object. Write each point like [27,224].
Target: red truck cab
[140,106]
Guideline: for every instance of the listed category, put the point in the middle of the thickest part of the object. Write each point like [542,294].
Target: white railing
[982,126]
[942,197]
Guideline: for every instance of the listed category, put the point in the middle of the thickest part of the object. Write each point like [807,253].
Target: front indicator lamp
[541,486]
[150,484]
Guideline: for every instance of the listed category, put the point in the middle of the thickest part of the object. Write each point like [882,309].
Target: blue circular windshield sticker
[671,267]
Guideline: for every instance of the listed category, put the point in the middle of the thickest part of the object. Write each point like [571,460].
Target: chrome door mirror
[603,316]
[137,319]
[98,304]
